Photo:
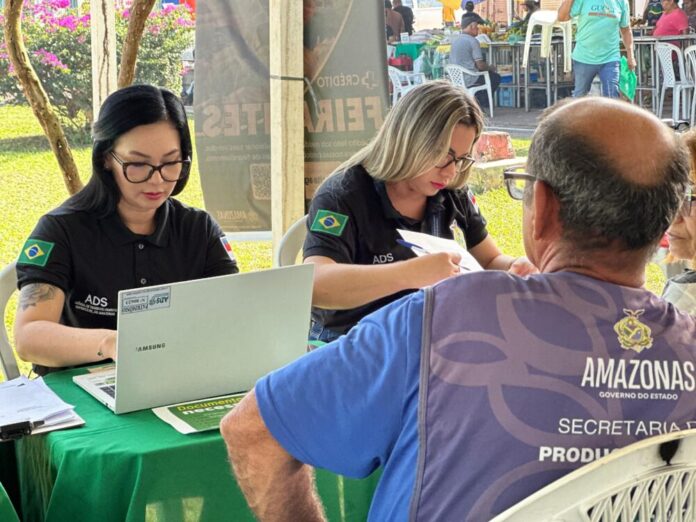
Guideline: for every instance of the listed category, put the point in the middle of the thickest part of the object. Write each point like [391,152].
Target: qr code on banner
[260,174]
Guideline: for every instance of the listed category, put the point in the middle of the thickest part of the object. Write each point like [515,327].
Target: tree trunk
[139,11]
[35,94]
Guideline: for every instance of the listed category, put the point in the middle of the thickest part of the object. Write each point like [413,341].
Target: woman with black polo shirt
[412,175]
[123,230]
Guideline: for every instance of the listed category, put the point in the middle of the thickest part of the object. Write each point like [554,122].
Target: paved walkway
[518,122]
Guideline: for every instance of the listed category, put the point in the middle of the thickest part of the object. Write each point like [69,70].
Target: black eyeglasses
[140,172]
[516,182]
[461,163]
[687,205]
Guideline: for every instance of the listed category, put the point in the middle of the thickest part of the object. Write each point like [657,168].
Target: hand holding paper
[423,244]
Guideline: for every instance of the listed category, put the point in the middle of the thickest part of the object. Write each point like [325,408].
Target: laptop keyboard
[109,390]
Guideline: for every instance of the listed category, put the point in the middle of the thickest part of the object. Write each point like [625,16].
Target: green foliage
[58,41]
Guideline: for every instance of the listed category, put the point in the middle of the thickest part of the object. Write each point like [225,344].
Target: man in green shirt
[600,22]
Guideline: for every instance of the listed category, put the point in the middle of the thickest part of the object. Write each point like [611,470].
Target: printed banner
[345,99]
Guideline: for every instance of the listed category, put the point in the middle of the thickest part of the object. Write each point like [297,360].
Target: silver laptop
[203,338]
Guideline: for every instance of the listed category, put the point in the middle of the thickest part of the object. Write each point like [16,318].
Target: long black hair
[122,111]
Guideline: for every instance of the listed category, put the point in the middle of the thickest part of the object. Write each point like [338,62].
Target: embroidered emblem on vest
[632,334]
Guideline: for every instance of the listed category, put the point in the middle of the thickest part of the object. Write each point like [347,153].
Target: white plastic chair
[664,52]
[8,284]
[457,75]
[402,82]
[651,480]
[548,21]
[690,64]
[291,243]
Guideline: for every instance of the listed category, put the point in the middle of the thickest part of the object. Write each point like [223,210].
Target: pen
[412,245]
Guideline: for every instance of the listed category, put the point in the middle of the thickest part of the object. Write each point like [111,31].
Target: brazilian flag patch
[35,252]
[329,222]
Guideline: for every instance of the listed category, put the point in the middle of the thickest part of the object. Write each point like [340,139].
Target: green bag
[627,80]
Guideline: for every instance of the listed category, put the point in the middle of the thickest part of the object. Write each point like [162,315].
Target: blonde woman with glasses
[412,175]
[681,289]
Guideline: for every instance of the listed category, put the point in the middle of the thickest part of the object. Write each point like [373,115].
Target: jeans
[608,76]
[318,332]
[482,96]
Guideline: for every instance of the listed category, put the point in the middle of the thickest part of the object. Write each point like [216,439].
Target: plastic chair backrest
[291,243]
[654,479]
[664,55]
[8,284]
[690,63]
[456,74]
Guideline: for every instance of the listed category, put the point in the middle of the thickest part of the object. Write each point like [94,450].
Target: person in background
[393,20]
[448,17]
[469,13]
[690,10]
[530,6]
[122,230]
[596,52]
[652,12]
[407,14]
[674,21]
[466,51]
[473,394]
[681,290]
[412,176]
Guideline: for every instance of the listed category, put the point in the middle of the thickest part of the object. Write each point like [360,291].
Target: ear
[546,221]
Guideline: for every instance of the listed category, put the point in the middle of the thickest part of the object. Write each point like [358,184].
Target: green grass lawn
[31,185]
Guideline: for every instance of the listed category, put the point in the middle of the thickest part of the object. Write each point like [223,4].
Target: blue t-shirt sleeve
[341,407]
[576,8]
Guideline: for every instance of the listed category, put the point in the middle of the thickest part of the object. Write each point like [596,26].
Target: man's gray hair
[599,207]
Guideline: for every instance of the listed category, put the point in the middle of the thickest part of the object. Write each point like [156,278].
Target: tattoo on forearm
[35,293]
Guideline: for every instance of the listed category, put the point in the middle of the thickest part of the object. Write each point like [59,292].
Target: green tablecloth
[411,49]
[134,467]
[7,511]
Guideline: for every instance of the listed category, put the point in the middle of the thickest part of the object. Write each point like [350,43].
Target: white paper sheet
[22,399]
[427,244]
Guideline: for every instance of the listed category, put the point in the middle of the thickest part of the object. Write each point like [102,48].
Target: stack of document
[29,406]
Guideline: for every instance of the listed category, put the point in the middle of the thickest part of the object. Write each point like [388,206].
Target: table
[411,49]
[550,79]
[647,65]
[134,467]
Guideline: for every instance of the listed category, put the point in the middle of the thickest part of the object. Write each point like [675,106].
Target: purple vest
[524,380]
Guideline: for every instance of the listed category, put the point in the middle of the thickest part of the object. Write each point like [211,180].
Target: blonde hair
[417,132]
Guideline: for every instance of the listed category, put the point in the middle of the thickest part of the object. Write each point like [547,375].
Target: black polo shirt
[91,259]
[351,220]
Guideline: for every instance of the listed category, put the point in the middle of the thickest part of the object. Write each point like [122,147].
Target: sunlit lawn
[31,184]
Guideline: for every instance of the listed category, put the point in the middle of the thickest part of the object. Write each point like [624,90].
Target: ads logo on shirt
[35,252]
[329,222]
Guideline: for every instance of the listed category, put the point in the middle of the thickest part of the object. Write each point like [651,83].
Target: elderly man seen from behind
[469,409]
